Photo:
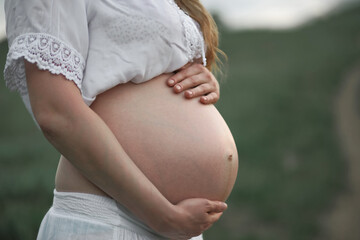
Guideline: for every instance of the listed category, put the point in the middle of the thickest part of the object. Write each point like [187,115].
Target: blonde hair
[209,29]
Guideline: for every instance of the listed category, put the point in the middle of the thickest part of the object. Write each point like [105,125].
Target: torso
[183,147]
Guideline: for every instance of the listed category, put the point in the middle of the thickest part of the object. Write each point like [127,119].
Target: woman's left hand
[195,80]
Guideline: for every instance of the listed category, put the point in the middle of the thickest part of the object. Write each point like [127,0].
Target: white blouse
[98,44]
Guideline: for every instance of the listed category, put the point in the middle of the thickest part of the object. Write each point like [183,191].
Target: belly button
[230,157]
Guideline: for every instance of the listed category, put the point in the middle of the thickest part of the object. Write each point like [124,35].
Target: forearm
[79,134]
[86,141]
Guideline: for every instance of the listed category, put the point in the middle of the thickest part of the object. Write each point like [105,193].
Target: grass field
[278,101]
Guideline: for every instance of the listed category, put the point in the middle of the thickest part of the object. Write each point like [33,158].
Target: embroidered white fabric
[194,38]
[99,44]
[48,53]
[135,28]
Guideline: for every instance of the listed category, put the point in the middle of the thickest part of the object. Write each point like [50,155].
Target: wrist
[168,221]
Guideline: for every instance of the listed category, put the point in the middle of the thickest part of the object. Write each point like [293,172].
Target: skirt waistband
[100,208]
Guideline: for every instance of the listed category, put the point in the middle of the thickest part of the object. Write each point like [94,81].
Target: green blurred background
[278,99]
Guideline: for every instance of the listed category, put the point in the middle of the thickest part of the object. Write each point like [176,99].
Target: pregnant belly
[183,147]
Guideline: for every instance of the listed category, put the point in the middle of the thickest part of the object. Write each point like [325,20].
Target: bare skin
[71,127]
[184,148]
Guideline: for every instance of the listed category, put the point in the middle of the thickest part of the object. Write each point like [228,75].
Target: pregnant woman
[138,161]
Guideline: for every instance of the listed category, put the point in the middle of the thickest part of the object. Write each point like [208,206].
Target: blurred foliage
[278,101]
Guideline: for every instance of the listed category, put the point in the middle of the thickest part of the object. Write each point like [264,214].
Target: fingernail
[205,98]
[178,87]
[190,93]
[224,205]
[171,81]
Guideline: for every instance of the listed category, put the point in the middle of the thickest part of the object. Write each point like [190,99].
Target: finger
[191,70]
[201,90]
[211,98]
[214,217]
[216,207]
[186,66]
[190,82]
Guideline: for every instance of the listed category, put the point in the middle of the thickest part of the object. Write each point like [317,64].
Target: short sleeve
[51,33]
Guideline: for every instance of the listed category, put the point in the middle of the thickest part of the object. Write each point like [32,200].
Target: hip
[92,217]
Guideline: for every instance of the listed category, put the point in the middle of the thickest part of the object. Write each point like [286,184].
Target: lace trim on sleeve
[193,36]
[48,52]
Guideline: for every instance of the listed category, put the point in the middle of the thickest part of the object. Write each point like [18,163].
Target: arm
[195,80]
[85,140]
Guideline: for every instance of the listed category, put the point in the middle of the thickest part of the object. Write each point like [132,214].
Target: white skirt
[82,216]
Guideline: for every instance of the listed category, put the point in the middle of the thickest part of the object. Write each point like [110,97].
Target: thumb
[214,217]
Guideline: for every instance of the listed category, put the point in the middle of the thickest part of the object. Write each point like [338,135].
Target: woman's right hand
[191,217]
